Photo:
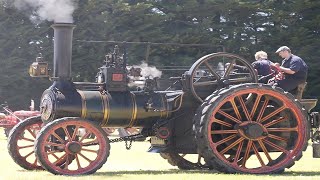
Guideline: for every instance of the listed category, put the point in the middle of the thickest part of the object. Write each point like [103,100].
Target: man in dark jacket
[295,70]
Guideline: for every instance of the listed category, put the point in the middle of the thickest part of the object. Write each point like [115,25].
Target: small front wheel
[60,141]
[21,143]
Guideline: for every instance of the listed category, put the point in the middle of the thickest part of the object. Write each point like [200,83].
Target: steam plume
[149,71]
[59,11]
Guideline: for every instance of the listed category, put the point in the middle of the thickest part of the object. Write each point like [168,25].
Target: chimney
[63,33]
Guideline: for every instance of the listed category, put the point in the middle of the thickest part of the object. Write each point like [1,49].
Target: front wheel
[252,128]
[21,143]
[61,141]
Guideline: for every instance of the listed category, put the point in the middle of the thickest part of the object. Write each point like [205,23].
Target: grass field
[138,164]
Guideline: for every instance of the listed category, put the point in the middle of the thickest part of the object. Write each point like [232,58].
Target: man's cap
[283,48]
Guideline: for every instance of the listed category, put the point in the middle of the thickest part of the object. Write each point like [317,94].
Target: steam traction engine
[228,120]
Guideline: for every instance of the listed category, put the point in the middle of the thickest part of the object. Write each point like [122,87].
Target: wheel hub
[73,147]
[252,130]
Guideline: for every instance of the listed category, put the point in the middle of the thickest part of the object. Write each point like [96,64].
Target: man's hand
[277,65]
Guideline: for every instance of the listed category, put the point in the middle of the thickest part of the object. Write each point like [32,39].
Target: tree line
[235,26]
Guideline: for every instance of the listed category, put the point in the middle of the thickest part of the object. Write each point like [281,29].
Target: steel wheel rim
[224,137]
[75,162]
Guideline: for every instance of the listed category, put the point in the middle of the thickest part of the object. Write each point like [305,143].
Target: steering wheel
[276,75]
[219,70]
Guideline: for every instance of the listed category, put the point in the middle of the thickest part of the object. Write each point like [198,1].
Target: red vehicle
[9,118]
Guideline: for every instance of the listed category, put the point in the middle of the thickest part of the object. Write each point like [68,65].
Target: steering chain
[127,139]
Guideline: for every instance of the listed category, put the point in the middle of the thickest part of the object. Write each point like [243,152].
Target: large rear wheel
[82,153]
[264,134]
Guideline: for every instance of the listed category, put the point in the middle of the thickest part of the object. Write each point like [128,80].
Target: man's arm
[283,69]
[287,70]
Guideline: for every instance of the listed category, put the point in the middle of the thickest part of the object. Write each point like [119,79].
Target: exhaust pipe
[63,33]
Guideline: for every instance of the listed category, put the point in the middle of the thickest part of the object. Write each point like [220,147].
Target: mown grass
[138,164]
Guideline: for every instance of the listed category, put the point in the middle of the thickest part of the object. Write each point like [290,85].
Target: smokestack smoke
[59,11]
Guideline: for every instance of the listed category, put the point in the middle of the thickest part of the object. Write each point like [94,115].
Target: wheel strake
[265,135]
[82,146]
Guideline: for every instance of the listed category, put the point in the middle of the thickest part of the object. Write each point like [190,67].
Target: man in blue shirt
[295,70]
[262,65]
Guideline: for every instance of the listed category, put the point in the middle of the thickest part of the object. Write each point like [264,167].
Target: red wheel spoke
[277,137]
[229,116]
[66,164]
[52,152]
[256,104]
[85,136]
[75,132]
[78,162]
[89,150]
[282,129]
[35,161]
[94,142]
[224,131]
[59,160]
[27,139]
[85,157]
[276,146]
[55,144]
[273,113]
[236,158]
[67,133]
[32,133]
[244,107]
[55,156]
[247,153]
[221,122]
[275,121]
[58,137]
[28,146]
[226,139]
[26,156]
[258,155]
[264,149]
[263,108]
[236,110]
[231,145]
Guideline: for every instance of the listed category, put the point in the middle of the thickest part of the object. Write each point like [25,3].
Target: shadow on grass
[175,171]
[153,172]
